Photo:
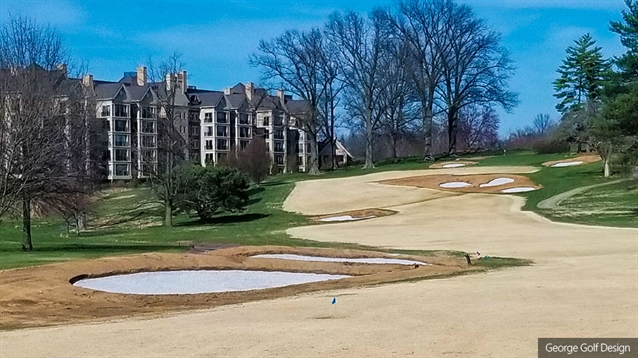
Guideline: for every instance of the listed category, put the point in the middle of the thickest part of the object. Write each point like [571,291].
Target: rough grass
[612,205]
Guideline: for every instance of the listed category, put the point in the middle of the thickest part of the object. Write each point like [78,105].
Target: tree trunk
[168,218]
[452,130]
[606,156]
[314,155]
[27,244]
[369,163]
[394,139]
[428,123]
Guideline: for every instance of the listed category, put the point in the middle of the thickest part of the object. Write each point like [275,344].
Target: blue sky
[215,38]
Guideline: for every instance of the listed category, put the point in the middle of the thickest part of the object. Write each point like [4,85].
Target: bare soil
[44,295]
[357,214]
[433,182]
[586,159]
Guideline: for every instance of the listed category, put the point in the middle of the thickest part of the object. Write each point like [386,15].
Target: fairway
[567,292]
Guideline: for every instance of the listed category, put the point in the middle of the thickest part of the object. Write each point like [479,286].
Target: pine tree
[582,75]
[628,31]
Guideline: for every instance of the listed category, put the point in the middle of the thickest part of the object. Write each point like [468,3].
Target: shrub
[549,146]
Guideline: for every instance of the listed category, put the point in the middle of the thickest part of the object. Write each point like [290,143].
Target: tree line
[599,96]
[422,65]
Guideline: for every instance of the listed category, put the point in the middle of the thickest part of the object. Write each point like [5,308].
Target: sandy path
[585,283]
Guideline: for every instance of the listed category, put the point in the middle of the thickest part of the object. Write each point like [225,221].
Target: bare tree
[542,123]
[475,68]
[38,103]
[295,59]
[478,128]
[364,51]
[167,82]
[421,24]
[254,160]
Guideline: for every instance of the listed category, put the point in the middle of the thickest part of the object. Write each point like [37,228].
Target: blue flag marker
[334,300]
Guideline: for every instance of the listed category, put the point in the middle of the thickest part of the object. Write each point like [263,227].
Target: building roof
[107,90]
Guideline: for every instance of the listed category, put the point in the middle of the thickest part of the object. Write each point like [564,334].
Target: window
[106,125]
[149,155]
[121,110]
[121,154]
[279,121]
[221,156]
[266,120]
[148,127]
[148,141]
[121,125]
[208,145]
[279,134]
[308,148]
[208,118]
[210,158]
[194,130]
[222,131]
[193,116]
[301,146]
[243,144]
[244,132]
[121,140]
[121,170]
[221,117]
[279,146]
[222,144]
[208,131]
[279,159]
[243,118]
[106,111]
[148,112]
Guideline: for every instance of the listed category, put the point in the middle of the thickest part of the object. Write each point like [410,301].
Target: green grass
[611,205]
[129,220]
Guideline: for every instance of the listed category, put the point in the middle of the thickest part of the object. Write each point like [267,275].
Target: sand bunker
[200,281]
[567,164]
[570,162]
[345,218]
[450,165]
[353,215]
[45,295]
[522,189]
[364,260]
[455,184]
[497,182]
[477,183]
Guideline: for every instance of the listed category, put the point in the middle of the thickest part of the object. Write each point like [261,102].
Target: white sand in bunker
[344,218]
[570,162]
[455,184]
[364,260]
[497,182]
[567,164]
[200,281]
[522,189]
[453,165]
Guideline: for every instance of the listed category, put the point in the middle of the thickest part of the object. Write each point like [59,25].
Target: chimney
[170,81]
[250,90]
[281,94]
[227,91]
[62,68]
[87,81]
[181,80]
[141,76]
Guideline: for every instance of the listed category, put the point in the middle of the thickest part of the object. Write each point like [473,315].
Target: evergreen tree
[582,75]
[628,31]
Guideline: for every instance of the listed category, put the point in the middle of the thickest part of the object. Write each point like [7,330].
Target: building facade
[213,124]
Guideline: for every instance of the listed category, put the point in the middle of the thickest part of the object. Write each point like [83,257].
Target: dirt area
[43,295]
[586,159]
[441,165]
[433,182]
[356,214]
